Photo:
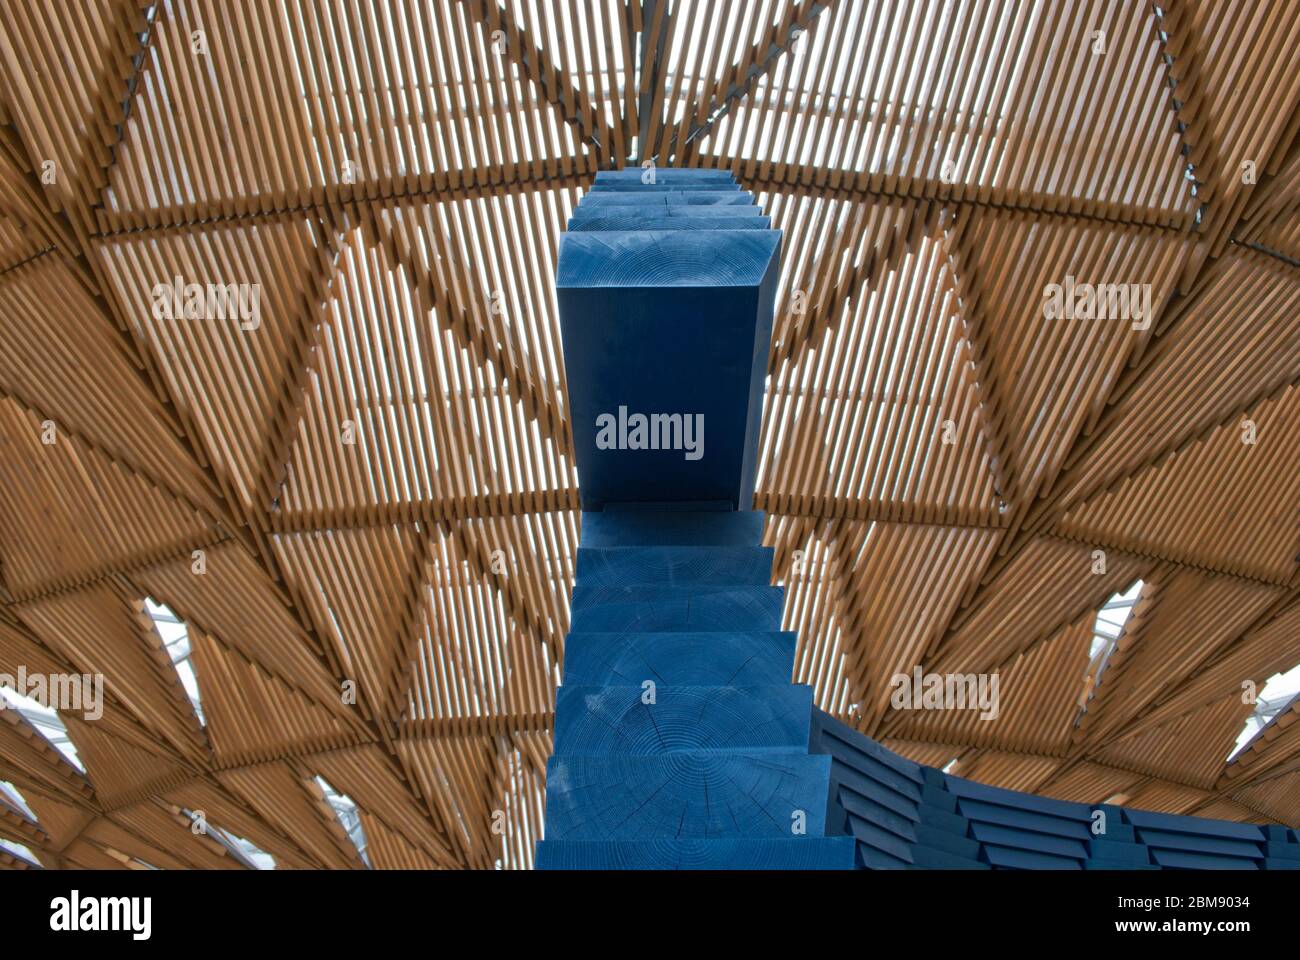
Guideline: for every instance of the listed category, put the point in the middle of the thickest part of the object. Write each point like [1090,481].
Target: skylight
[46,721]
[348,815]
[176,638]
[241,848]
[9,792]
[246,848]
[18,850]
[1107,627]
[1276,694]
[1112,616]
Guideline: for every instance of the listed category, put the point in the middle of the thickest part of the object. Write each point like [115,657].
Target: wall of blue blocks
[717,766]
[680,742]
[904,816]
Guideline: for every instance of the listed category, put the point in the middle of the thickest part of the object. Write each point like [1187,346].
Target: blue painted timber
[664,174]
[633,720]
[1117,850]
[635,528]
[695,794]
[603,224]
[826,853]
[1145,820]
[680,742]
[658,320]
[1020,801]
[1181,860]
[611,186]
[677,217]
[1009,816]
[714,659]
[952,823]
[1028,840]
[674,565]
[692,608]
[1010,858]
[650,197]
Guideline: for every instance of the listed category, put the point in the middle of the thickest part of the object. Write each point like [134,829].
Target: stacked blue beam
[680,742]
[898,811]
[905,815]
[1117,847]
[666,292]
[1281,848]
[1198,843]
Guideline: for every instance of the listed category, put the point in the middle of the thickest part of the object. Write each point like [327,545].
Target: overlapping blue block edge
[905,815]
[883,811]
[902,815]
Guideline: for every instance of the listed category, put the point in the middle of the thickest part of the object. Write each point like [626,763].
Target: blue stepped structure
[907,816]
[680,742]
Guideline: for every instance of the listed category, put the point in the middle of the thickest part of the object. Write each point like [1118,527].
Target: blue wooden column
[666,294]
[679,740]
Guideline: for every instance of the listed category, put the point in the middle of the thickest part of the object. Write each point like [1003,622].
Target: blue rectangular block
[1196,825]
[1095,864]
[944,820]
[848,758]
[1116,830]
[930,858]
[601,720]
[1010,858]
[1282,851]
[874,813]
[1016,800]
[601,566]
[666,174]
[875,791]
[658,325]
[1099,849]
[686,795]
[873,764]
[1182,860]
[873,859]
[975,810]
[624,186]
[870,835]
[809,853]
[1199,843]
[939,799]
[713,658]
[658,609]
[635,528]
[954,843]
[828,727]
[1028,840]
[721,196]
[621,222]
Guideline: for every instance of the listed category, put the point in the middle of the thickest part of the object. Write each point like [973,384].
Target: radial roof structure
[285,458]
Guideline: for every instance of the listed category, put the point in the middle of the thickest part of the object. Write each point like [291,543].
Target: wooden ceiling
[379,475]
